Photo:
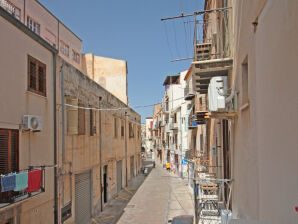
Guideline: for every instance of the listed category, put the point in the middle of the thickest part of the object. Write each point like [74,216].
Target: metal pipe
[195,13]
[100,161]
[55,141]
[213,61]
[62,113]
[126,179]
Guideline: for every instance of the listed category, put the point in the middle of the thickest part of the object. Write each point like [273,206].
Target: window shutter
[72,117]
[81,122]
[91,122]
[4,137]
[32,74]
[14,155]
[41,79]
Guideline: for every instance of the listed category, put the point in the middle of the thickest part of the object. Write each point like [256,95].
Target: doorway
[119,175]
[105,183]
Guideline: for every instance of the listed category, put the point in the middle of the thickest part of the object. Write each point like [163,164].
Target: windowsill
[244,106]
[36,94]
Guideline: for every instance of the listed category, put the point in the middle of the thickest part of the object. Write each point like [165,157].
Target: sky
[132,30]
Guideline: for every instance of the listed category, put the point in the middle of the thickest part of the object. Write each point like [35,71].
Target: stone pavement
[161,197]
[115,207]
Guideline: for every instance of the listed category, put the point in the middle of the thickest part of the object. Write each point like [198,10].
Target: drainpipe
[62,114]
[63,136]
[126,179]
[55,142]
[100,162]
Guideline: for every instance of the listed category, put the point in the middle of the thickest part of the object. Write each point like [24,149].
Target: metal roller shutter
[82,198]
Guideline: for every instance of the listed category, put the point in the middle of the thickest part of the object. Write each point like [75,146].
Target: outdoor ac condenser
[216,94]
[32,123]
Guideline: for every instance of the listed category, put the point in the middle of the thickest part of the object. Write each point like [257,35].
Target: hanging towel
[34,181]
[8,182]
[21,181]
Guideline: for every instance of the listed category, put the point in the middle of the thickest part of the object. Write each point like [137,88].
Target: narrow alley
[160,198]
[148,112]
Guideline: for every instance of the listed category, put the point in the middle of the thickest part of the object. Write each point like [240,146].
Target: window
[122,128]
[244,82]
[36,76]
[12,9]
[92,122]
[115,128]
[131,130]
[72,116]
[64,48]
[9,151]
[76,56]
[33,25]
[81,120]
[9,156]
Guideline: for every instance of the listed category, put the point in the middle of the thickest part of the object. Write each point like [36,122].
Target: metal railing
[10,8]
[12,197]
[212,35]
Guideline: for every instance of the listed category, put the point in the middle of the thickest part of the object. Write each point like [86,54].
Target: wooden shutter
[4,149]
[72,116]
[14,151]
[91,122]
[9,156]
[81,122]
[32,74]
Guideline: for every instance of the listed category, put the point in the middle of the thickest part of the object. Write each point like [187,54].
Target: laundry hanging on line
[21,181]
[34,181]
[8,182]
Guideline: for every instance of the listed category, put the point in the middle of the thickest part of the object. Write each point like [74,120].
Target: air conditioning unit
[217,91]
[32,123]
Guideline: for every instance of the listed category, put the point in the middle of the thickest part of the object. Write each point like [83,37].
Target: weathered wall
[35,148]
[110,73]
[83,151]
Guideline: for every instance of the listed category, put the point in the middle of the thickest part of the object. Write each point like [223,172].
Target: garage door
[83,198]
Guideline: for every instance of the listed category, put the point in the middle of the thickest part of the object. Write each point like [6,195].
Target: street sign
[184,162]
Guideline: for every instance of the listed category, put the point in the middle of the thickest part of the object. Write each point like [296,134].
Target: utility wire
[115,109]
[175,36]
[167,38]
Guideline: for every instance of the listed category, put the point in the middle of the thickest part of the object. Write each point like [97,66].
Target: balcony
[173,126]
[11,197]
[14,11]
[192,124]
[200,109]
[212,54]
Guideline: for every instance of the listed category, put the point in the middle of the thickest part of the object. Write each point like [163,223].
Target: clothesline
[29,180]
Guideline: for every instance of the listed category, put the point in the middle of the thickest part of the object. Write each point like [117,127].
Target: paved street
[161,197]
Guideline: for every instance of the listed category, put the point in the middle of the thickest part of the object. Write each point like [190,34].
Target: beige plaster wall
[265,152]
[110,73]
[36,148]
[50,25]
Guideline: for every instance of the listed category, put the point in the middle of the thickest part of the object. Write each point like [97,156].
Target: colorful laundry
[8,182]
[21,181]
[34,181]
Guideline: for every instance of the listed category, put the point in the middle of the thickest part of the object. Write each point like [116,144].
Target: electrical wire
[175,38]
[185,38]
[167,38]
[115,109]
